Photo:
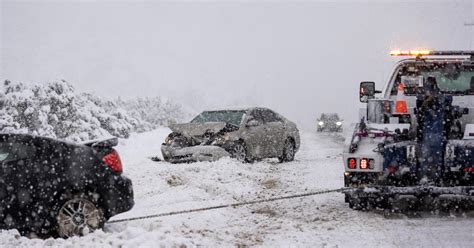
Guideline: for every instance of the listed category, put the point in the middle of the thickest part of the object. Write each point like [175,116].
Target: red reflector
[351,162]
[471,169]
[364,163]
[113,161]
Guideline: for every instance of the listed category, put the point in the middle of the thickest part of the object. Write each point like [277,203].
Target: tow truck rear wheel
[357,203]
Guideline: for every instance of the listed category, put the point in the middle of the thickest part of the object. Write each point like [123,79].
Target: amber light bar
[419,53]
[410,53]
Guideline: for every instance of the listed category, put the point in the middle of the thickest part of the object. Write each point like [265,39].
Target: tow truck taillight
[364,163]
[352,163]
[112,159]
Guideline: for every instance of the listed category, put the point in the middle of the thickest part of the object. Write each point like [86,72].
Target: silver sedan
[246,134]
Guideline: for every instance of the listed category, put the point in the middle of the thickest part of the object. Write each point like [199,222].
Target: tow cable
[237,204]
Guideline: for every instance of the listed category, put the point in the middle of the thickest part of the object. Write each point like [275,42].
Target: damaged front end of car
[191,142]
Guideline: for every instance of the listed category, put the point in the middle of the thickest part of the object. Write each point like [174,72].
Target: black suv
[52,187]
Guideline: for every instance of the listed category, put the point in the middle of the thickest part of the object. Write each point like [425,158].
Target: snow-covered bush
[154,111]
[55,110]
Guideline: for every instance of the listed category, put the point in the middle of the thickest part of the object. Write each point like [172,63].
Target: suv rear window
[15,151]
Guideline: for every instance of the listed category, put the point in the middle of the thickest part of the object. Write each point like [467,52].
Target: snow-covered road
[320,221]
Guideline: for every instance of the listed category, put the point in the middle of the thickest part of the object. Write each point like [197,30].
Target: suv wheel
[288,151]
[79,217]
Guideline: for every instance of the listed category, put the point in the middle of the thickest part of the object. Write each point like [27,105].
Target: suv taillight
[112,159]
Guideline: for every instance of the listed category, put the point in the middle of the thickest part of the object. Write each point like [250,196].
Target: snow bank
[56,110]
[317,221]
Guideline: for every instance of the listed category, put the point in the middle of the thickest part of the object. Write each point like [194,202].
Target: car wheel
[288,151]
[79,217]
[239,151]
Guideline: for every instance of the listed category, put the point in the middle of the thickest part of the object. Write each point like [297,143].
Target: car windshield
[450,78]
[329,116]
[228,116]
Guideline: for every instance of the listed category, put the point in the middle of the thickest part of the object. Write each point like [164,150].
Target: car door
[275,132]
[255,134]
[18,174]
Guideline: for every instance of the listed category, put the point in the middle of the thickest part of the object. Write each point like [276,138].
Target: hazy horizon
[298,58]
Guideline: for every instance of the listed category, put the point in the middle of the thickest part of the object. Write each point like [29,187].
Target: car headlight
[320,123]
[338,123]
[168,140]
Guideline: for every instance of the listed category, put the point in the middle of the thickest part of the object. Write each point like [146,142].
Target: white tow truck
[414,144]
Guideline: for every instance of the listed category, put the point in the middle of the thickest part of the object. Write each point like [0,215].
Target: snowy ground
[320,221]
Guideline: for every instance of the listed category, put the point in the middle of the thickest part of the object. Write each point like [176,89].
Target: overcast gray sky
[299,58]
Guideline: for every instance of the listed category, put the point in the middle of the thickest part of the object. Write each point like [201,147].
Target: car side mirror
[367,91]
[253,123]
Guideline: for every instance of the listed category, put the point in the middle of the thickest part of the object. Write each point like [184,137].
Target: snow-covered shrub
[153,110]
[55,110]
[113,119]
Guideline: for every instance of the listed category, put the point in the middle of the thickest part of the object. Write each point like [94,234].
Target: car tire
[240,152]
[79,216]
[288,153]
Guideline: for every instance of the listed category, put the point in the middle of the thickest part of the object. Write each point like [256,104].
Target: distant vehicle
[51,187]
[329,122]
[246,134]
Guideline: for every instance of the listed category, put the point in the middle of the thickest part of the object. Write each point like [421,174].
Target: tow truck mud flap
[411,198]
